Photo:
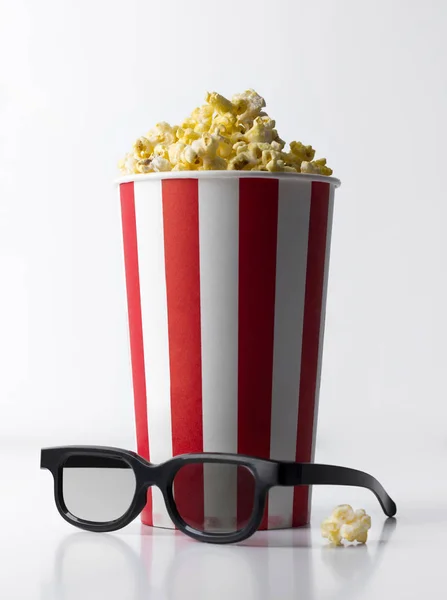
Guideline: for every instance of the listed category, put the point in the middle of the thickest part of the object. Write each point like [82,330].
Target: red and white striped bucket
[226,277]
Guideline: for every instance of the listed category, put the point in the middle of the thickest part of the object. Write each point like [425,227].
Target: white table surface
[43,557]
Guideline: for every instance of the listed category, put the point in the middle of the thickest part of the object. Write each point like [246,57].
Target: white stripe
[291,264]
[151,260]
[219,268]
[323,313]
[322,323]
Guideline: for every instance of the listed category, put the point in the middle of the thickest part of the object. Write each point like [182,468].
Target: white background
[364,83]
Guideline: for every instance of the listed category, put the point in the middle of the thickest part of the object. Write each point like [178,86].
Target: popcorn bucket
[226,275]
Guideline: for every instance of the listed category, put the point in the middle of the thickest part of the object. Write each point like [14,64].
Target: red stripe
[181,237]
[311,335]
[258,223]
[135,327]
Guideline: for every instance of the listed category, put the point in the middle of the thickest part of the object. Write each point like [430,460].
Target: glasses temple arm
[291,474]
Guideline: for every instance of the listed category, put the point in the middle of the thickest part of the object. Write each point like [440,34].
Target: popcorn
[190,156]
[247,105]
[161,150]
[206,146]
[161,164]
[176,153]
[203,114]
[143,148]
[214,164]
[223,124]
[144,166]
[181,167]
[301,152]
[261,131]
[219,103]
[128,164]
[242,162]
[222,134]
[317,167]
[162,133]
[347,524]
[225,148]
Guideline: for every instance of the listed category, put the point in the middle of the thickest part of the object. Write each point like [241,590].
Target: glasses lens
[214,497]
[97,488]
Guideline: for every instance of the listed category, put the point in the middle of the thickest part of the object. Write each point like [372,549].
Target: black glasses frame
[267,474]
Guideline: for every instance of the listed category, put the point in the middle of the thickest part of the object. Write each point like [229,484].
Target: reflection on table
[160,564]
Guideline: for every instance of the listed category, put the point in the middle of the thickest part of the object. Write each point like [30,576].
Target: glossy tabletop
[43,557]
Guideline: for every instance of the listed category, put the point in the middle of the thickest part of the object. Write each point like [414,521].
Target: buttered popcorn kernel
[222,134]
[346,524]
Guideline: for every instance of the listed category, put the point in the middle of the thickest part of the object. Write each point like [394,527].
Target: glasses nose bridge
[150,475]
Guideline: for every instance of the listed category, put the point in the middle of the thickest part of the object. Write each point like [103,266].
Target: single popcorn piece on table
[222,134]
[346,524]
